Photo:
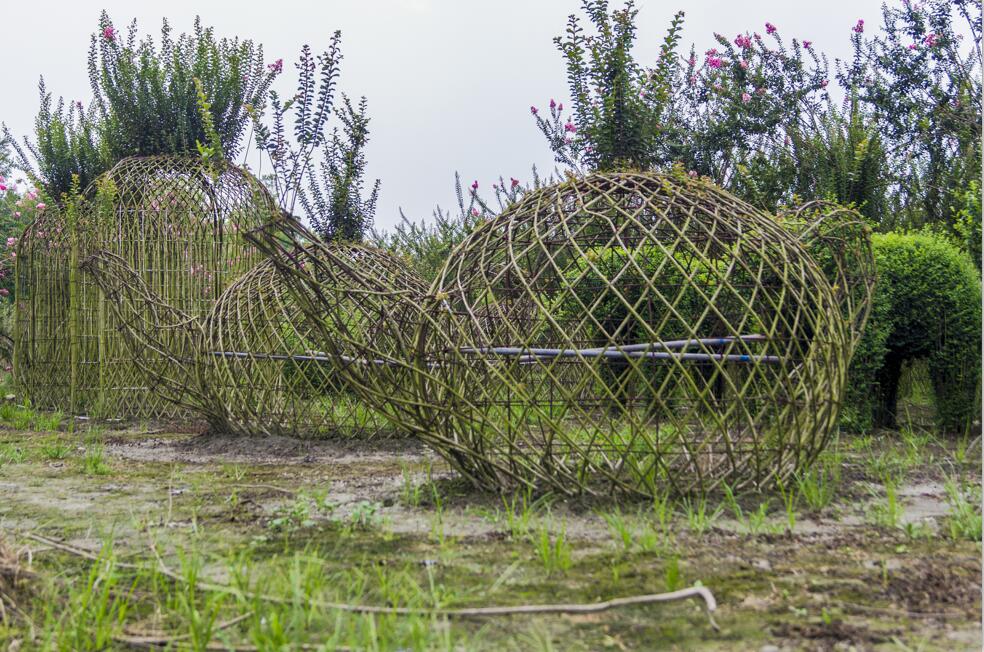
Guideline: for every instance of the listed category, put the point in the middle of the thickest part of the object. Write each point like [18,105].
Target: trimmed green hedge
[927,305]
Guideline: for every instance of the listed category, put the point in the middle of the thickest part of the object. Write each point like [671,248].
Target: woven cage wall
[174,220]
[264,372]
[361,306]
[628,333]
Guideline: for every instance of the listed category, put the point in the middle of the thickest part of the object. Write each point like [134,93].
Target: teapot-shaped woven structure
[177,222]
[631,333]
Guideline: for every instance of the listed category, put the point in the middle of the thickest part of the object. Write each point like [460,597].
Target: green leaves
[211,152]
[148,98]
[330,190]
[617,105]
[176,97]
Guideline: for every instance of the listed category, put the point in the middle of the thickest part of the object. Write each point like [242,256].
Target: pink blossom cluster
[770,28]
[276,67]
[109,33]
[859,27]
[743,41]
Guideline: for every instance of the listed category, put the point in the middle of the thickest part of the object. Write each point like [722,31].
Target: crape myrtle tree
[922,82]
[322,171]
[755,113]
[146,101]
[712,114]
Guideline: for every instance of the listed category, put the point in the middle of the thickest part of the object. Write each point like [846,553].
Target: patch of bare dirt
[211,449]
[828,636]
[938,585]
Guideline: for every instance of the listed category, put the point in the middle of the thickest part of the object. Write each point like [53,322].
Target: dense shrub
[146,101]
[926,306]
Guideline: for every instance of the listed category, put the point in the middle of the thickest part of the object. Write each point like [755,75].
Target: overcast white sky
[449,82]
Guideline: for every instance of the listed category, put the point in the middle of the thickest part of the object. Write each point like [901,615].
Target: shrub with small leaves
[146,101]
[927,305]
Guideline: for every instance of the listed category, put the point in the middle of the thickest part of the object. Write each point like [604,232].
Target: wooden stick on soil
[700,592]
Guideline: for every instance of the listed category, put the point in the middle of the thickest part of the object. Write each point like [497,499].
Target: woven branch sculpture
[632,332]
[361,305]
[621,332]
[249,366]
[175,220]
[839,240]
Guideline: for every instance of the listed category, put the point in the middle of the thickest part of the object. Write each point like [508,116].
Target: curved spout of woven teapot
[840,241]
[162,341]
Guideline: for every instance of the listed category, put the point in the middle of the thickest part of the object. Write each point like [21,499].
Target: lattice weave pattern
[624,332]
[173,219]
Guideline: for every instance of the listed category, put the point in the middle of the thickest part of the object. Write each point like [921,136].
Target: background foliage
[145,102]
[927,306]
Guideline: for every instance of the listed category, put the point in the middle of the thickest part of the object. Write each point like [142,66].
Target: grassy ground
[142,538]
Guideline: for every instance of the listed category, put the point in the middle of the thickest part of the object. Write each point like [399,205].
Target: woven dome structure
[260,362]
[174,220]
[630,333]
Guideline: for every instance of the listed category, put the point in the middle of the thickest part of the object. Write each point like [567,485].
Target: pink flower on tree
[276,67]
[569,127]
[692,174]
[474,212]
[474,185]
[41,206]
[743,41]
[745,98]
[859,28]
[2,187]
[824,83]
[109,33]
[930,40]
[534,110]
[770,28]
[913,46]
[17,214]
[807,44]
[714,62]
[4,292]
[513,182]
[553,105]
[11,242]
[743,64]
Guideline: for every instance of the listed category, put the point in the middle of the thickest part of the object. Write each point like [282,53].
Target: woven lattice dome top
[631,331]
